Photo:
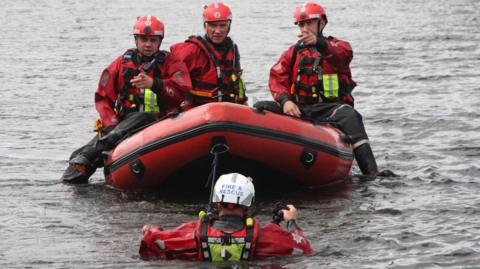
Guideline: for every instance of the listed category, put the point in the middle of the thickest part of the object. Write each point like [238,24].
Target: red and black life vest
[222,82]
[216,245]
[134,99]
[315,80]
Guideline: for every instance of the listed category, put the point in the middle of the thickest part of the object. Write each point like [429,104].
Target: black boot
[74,175]
[366,160]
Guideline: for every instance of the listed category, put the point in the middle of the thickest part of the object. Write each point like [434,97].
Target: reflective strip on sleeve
[360,142]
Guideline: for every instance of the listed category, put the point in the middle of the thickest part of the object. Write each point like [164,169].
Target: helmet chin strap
[320,31]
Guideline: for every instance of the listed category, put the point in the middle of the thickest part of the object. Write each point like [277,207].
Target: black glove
[157,86]
[322,44]
[277,213]
[387,173]
[283,99]
[269,106]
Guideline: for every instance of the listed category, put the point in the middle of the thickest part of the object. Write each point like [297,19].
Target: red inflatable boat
[261,144]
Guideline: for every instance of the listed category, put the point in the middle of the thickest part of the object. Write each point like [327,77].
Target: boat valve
[137,168]
[308,157]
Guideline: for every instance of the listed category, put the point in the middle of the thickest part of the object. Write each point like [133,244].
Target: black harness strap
[204,238]
[220,74]
[225,240]
[302,70]
[248,242]
[129,73]
[160,59]
[236,59]
[294,58]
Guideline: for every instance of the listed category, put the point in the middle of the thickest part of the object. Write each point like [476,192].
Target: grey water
[416,65]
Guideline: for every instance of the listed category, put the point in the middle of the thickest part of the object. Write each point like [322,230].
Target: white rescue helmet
[235,189]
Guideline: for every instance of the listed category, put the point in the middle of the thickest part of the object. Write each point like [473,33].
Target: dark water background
[416,64]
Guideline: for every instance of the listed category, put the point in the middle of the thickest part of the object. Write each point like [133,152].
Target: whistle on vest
[314,92]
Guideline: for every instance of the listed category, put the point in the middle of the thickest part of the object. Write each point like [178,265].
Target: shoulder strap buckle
[226,240]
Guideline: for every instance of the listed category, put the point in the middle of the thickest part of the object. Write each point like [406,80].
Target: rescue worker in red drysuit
[312,80]
[135,90]
[230,234]
[213,60]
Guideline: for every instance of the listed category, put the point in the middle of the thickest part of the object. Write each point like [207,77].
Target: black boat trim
[227,126]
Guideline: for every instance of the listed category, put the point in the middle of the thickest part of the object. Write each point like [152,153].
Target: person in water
[312,80]
[230,233]
[136,89]
[213,60]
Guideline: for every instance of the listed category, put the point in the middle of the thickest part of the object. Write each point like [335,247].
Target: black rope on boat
[219,147]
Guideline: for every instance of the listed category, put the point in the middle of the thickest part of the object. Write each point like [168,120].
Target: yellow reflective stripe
[241,86]
[330,85]
[241,89]
[131,97]
[150,102]
[201,93]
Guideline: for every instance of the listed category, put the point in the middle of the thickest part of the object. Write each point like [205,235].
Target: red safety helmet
[149,26]
[216,12]
[309,11]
